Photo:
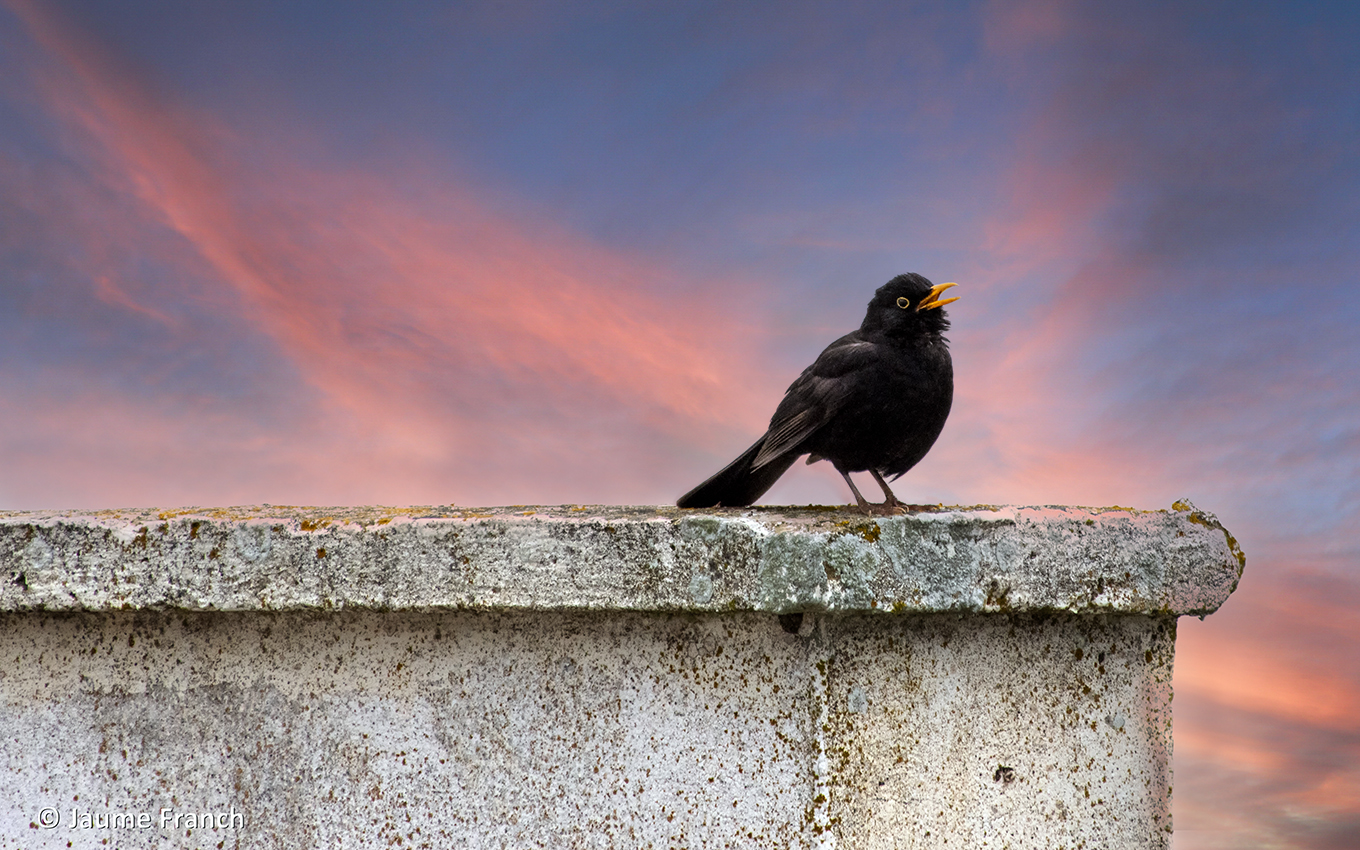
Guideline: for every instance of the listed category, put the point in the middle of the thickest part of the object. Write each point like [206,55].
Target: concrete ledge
[596,677]
[1002,559]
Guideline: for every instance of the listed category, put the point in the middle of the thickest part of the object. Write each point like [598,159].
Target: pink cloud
[443,332]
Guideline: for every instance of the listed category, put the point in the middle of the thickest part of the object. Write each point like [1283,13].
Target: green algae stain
[867,530]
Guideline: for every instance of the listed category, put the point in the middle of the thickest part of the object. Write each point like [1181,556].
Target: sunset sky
[536,253]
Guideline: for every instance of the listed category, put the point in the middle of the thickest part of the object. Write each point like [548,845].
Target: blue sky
[548,252]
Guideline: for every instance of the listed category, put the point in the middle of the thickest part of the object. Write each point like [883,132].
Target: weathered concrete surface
[557,729]
[620,559]
[612,678]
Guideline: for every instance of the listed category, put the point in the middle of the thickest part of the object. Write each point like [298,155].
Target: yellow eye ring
[903,303]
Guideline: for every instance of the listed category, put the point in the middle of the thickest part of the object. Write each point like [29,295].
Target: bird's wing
[816,396]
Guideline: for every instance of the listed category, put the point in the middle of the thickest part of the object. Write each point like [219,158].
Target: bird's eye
[903,303]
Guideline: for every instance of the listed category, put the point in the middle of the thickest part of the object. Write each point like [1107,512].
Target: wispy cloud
[1266,737]
[429,319]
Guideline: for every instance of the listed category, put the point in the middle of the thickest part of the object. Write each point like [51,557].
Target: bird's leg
[889,500]
[859,500]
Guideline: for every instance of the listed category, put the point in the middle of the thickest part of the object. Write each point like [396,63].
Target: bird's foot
[894,508]
[884,509]
[890,505]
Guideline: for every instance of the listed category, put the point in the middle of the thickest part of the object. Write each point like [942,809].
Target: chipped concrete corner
[596,677]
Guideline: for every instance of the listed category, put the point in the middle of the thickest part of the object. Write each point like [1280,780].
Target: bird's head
[908,305]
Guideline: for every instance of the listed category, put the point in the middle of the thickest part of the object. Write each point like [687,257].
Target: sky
[558,252]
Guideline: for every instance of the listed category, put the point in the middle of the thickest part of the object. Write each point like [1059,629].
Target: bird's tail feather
[737,484]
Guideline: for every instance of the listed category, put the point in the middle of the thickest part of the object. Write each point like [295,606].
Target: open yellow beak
[931,301]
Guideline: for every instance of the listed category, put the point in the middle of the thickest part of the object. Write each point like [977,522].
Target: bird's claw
[884,509]
[893,508]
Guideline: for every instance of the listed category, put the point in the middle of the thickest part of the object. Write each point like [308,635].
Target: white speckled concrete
[613,677]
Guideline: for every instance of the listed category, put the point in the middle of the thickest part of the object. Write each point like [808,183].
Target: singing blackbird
[874,400]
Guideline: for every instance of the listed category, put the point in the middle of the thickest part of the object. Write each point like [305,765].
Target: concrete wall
[595,678]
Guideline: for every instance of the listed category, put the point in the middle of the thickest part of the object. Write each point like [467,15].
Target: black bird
[874,400]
